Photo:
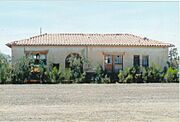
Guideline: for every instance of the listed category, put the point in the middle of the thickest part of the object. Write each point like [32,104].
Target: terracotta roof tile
[89,39]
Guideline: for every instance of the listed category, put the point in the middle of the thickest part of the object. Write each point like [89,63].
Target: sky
[154,20]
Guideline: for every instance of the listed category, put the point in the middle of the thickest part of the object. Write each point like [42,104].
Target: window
[108,59]
[145,61]
[39,57]
[136,60]
[118,59]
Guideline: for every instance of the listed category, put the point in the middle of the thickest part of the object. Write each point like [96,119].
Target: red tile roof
[88,39]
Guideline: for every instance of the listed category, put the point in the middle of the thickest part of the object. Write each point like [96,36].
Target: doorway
[113,63]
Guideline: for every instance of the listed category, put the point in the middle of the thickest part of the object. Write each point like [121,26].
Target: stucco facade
[96,54]
[113,52]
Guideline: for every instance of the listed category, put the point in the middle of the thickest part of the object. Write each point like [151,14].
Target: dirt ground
[90,102]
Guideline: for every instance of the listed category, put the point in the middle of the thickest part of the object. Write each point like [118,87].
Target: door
[117,63]
[113,63]
[108,63]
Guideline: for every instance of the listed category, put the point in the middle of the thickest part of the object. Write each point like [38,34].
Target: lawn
[90,102]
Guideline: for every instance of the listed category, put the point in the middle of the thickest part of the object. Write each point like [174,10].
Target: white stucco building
[112,51]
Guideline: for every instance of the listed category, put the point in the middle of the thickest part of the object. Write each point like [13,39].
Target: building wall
[58,54]
[156,55]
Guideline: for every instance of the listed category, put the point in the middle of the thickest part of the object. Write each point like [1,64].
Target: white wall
[57,54]
[156,55]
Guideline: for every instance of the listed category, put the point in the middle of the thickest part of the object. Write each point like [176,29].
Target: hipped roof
[78,39]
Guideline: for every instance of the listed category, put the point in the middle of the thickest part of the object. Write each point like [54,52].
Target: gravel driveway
[90,102]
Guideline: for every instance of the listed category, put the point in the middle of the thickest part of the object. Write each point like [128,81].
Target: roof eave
[9,45]
[171,45]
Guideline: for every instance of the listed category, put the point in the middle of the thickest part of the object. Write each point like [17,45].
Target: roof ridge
[86,33]
[38,36]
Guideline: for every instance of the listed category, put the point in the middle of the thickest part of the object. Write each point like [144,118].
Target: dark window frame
[147,61]
[136,60]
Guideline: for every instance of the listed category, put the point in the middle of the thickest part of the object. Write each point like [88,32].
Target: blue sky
[155,20]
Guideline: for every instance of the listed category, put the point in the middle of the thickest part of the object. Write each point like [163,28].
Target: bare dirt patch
[90,102]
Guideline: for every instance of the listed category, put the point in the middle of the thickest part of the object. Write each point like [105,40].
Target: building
[113,51]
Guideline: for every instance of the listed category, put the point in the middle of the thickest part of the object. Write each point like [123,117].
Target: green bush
[153,74]
[171,75]
[129,79]
[100,76]
[76,66]
[46,78]
[21,71]
[67,74]
[5,70]
[106,79]
[53,76]
[122,75]
[81,78]
[136,73]
[139,78]
[131,75]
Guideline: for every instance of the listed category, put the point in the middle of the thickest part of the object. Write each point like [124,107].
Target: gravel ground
[90,102]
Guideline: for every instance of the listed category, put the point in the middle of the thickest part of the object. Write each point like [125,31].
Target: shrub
[99,73]
[21,70]
[136,73]
[131,75]
[67,74]
[139,78]
[171,75]
[5,70]
[129,79]
[53,76]
[81,78]
[106,79]
[122,75]
[76,66]
[153,74]
[100,76]
[46,77]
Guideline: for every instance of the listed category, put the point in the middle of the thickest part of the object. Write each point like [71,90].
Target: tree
[173,58]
